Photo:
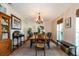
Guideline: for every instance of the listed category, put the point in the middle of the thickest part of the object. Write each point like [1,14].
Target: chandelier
[39,20]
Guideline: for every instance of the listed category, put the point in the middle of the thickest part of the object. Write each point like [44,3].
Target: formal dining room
[39,29]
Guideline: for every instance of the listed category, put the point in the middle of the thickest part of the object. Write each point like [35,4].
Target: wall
[30,22]
[26,22]
[54,30]
[69,33]
[9,11]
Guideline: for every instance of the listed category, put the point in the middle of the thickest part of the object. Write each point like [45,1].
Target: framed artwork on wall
[68,22]
[15,22]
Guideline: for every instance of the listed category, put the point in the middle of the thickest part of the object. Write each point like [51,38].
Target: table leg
[75,51]
[36,50]
[48,44]
[31,43]
[44,50]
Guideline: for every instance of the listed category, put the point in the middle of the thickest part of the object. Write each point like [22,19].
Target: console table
[67,45]
[18,39]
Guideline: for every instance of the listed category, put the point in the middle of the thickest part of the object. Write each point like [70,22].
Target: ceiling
[48,11]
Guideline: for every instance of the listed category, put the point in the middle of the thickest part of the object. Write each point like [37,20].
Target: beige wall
[31,23]
[69,33]
[26,22]
[50,26]
[54,32]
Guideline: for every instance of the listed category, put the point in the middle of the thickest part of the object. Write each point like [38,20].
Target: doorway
[77,31]
[77,35]
[60,35]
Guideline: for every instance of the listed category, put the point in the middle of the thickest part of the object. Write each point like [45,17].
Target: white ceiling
[47,10]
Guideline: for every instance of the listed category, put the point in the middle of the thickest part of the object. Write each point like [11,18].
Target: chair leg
[36,51]
[48,44]
[30,44]
[44,51]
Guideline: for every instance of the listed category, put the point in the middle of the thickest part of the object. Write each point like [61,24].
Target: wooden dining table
[39,37]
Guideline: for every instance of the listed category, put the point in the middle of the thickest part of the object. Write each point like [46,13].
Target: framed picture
[68,22]
[15,22]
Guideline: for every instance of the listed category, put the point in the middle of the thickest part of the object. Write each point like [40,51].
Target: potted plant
[30,32]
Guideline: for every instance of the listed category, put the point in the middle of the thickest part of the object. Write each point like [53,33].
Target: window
[77,34]
[60,35]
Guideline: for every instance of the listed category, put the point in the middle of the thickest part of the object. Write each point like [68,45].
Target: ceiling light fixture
[39,20]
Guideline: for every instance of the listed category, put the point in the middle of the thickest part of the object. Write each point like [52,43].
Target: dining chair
[30,34]
[49,35]
[40,44]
